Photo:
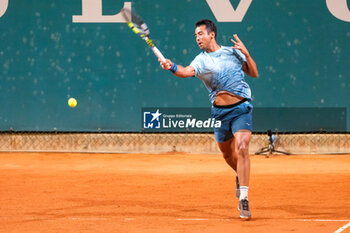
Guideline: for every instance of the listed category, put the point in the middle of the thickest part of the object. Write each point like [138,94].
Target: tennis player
[222,69]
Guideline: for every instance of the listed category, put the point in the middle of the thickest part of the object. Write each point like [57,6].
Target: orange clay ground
[165,193]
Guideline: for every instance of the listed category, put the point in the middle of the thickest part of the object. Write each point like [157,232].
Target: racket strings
[138,27]
[135,23]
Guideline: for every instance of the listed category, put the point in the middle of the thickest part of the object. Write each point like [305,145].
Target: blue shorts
[233,118]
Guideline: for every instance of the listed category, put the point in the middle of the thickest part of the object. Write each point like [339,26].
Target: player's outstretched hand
[166,65]
[240,46]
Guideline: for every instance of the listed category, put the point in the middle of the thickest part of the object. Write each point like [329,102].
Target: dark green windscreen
[301,48]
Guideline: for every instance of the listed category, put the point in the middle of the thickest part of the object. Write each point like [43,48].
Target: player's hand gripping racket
[140,28]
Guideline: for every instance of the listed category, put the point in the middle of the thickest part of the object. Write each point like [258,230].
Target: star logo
[151,120]
[156,115]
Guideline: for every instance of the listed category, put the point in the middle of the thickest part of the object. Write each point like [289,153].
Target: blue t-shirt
[222,70]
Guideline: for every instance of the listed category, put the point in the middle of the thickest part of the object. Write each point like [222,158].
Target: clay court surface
[69,192]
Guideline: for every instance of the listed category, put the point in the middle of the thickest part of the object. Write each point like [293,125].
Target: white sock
[244,192]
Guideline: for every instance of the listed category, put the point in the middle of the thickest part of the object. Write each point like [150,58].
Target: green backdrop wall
[301,48]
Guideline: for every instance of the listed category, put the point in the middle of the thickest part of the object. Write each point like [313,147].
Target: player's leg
[224,138]
[241,143]
[241,127]
[242,140]
[242,130]
[228,151]
[236,121]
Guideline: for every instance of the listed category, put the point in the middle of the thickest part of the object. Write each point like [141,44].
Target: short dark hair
[211,27]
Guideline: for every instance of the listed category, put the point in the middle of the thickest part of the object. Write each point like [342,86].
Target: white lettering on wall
[3,7]
[339,8]
[92,13]
[224,12]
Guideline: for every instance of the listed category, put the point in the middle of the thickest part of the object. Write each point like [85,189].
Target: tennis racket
[140,28]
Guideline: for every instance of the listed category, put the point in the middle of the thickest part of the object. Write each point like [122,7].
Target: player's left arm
[250,66]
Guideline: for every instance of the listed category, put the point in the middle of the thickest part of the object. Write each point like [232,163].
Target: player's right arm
[178,70]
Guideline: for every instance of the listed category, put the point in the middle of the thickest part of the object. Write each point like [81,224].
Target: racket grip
[158,53]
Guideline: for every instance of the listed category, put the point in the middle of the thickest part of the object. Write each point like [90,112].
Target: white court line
[328,220]
[342,228]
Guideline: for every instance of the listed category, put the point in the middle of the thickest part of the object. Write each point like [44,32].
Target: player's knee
[242,148]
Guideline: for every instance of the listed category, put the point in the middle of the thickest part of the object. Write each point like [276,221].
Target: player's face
[203,38]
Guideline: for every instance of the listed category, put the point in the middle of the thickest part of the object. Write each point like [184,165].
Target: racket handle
[158,53]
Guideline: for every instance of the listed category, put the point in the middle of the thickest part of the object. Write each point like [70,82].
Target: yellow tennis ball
[72,102]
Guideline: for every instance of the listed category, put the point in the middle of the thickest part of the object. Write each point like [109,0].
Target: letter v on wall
[224,11]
